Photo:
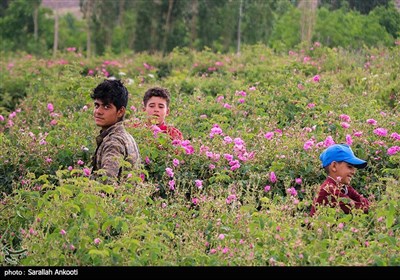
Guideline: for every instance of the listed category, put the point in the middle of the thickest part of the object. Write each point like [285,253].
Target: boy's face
[106,115]
[342,172]
[156,109]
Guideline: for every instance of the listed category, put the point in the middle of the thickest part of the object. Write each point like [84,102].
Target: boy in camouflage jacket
[114,144]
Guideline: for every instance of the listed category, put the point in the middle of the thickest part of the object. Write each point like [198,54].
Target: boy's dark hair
[156,91]
[111,92]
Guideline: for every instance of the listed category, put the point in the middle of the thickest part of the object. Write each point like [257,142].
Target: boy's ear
[121,112]
[334,166]
[167,112]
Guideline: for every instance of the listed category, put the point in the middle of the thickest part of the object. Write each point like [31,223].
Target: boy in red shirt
[156,104]
[340,164]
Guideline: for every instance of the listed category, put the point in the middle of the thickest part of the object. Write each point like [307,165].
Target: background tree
[308,10]
[3,7]
[36,5]
[56,30]
[21,29]
[349,29]
[105,17]
[72,32]
[259,19]
[389,17]
[162,25]
[87,7]
[239,26]
[193,22]
[148,18]
[218,24]
[366,6]
[167,26]
[362,6]
[123,34]
[286,32]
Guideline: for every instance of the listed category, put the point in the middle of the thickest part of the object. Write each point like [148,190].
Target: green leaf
[95,252]
[345,219]
[92,212]
[262,223]
[63,190]
[390,215]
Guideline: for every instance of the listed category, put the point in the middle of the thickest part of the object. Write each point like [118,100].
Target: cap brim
[358,163]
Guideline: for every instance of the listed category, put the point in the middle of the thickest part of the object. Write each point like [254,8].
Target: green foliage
[350,30]
[389,18]
[71,33]
[286,33]
[259,107]
[121,27]
[20,14]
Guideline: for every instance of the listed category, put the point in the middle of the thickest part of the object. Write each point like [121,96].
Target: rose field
[236,192]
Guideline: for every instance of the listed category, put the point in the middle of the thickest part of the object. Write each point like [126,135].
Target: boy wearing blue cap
[340,164]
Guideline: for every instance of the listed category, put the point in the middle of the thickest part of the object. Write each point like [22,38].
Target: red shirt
[330,193]
[173,132]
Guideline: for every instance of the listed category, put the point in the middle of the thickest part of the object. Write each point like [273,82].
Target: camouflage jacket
[115,145]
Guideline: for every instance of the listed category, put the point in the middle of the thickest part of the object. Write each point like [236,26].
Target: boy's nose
[98,110]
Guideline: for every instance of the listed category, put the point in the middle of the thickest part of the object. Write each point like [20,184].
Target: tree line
[221,25]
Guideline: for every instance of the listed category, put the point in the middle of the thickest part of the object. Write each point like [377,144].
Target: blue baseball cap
[341,152]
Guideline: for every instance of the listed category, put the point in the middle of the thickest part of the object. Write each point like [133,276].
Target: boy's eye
[350,166]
